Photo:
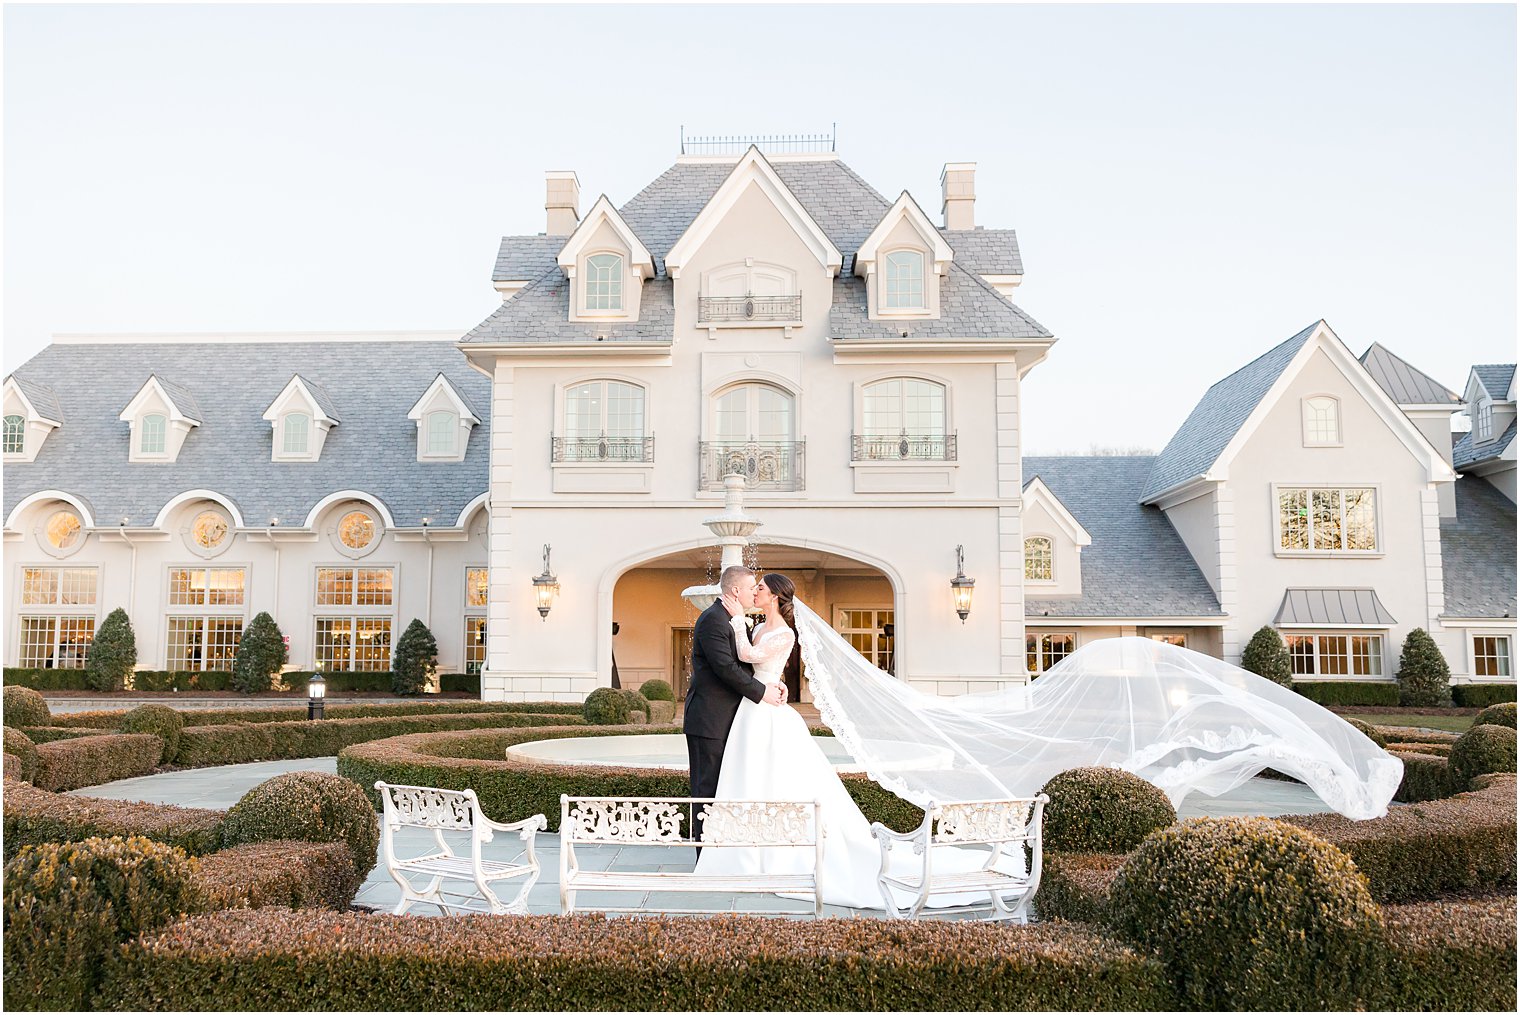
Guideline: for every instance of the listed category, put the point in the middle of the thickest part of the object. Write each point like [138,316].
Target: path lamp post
[545,587]
[316,692]
[961,586]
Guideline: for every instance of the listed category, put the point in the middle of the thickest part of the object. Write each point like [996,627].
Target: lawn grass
[1449,723]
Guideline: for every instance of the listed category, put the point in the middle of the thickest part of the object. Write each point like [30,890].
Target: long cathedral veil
[1184,721]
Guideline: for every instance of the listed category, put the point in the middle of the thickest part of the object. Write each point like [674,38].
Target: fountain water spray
[733,529]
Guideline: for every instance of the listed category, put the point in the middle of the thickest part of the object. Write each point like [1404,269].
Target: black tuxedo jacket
[719,678]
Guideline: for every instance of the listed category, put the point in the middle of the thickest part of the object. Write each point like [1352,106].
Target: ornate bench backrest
[988,821]
[758,823]
[665,821]
[426,807]
[621,820]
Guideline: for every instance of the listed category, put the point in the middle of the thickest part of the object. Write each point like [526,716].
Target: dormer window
[904,279]
[297,433]
[300,417]
[1039,559]
[1322,422]
[159,417]
[444,418]
[604,282]
[441,429]
[152,431]
[15,435]
[1483,421]
[31,414]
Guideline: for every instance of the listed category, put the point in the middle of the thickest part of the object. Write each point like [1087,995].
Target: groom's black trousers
[705,756]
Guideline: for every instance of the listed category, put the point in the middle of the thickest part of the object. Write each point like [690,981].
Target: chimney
[958,183]
[562,202]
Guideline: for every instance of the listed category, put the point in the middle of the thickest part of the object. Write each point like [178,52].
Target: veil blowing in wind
[1184,721]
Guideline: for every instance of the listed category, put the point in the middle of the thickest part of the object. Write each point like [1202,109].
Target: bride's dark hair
[784,590]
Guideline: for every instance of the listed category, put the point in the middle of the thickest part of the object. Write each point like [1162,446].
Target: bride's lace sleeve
[767,649]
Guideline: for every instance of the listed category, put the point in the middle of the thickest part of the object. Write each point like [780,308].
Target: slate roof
[180,395]
[1331,607]
[986,251]
[845,207]
[1404,383]
[1137,565]
[525,257]
[324,400]
[1218,417]
[1466,452]
[374,449]
[43,398]
[1478,552]
[1496,378]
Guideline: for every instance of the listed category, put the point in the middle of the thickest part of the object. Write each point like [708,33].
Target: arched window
[151,434]
[754,412]
[1039,559]
[903,417]
[442,430]
[15,435]
[297,433]
[904,289]
[754,428]
[1322,421]
[604,421]
[604,282]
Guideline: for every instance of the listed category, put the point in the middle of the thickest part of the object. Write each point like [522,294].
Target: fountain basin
[668,751]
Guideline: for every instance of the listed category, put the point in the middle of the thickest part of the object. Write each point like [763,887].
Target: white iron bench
[658,821]
[441,810]
[1008,827]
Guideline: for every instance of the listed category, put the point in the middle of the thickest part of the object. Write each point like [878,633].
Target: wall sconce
[545,587]
[961,586]
[316,695]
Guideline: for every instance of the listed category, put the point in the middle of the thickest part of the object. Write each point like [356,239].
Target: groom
[719,678]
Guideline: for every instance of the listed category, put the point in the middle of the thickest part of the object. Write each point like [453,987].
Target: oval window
[64,530]
[356,530]
[209,529]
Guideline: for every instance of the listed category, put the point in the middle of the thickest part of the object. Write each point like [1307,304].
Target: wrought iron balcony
[601,449]
[743,309]
[765,465]
[903,447]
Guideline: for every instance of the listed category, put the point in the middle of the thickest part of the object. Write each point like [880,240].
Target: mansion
[533,486]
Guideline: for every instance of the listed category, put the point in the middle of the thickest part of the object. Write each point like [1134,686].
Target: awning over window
[1332,608]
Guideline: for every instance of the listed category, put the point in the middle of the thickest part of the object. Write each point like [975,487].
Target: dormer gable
[606,263]
[159,416]
[31,413]
[753,169]
[1053,542]
[444,419]
[300,417]
[902,261]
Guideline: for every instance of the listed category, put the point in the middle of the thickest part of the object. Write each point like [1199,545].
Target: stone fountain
[733,529]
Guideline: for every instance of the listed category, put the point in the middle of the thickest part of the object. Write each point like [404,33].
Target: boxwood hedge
[90,761]
[34,816]
[1450,956]
[111,719]
[1348,692]
[1481,695]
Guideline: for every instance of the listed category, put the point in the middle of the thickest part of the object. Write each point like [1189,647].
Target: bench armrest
[536,823]
[881,831]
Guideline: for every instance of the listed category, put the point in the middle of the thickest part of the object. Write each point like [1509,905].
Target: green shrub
[656,690]
[112,653]
[606,706]
[260,654]
[1369,731]
[90,761]
[1426,777]
[70,906]
[1102,810]
[1075,886]
[1438,750]
[416,656]
[1267,656]
[1481,695]
[1348,692]
[1501,714]
[1424,851]
[25,707]
[313,807]
[45,678]
[47,734]
[25,751]
[469,683]
[161,721]
[11,767]
[1251,913]
[1424,677]
[279,873]
[636,702]
[1481,750]
[274,959]
[34,816]
[1450,956]
[110,719]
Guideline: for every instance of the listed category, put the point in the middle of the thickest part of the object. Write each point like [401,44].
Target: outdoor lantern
[961,586]
[316,690]
[545,587]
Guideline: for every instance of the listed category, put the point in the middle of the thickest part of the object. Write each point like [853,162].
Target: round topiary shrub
[70,906]
[1370,732]
[1481,750]
[21,746]
[25,707]
[606,706]
[310,806]
[1102,810]
[1251,914]
[1267,656]
[636,702]
[656,690]
[1502,714]
[161,721]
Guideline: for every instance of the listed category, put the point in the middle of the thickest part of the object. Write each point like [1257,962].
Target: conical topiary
[1424,676]
[1267,656]
[416,655]
[113,653]
[260,654]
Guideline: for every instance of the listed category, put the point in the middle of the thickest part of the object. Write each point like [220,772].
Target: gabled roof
[1405,384]
[39,397]
[602,213]
[537,315]
[1137,565]
[1036,492]
[1478,553]
[1467,452]
[968,308]
[182,404]
[442,383]
[753,168]
[905,209]
[525,257]
[313,392]
[986,251]
[1496,379]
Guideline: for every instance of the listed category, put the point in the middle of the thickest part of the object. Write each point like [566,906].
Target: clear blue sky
[1190,184]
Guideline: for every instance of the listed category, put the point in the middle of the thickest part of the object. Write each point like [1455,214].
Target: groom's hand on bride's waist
[775,694]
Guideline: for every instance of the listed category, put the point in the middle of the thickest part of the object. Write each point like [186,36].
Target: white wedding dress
[770,755]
